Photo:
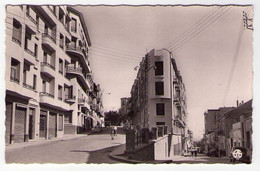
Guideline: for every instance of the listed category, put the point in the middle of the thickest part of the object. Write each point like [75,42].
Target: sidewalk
[119,155]
[42,142]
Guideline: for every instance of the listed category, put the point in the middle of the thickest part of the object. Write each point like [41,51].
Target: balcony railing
[28,86]
[52,10]
[72,68]
[74,47]
[46,94]
[32,19]
[14,79]
[70,97]
[47,64]
[73,29]
[30,52]
[49,36]
[16,40]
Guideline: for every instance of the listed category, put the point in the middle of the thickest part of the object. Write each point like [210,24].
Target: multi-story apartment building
[158,96]
[49,86]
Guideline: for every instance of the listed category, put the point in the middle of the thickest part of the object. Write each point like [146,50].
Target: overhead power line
[209,23]
[180,36]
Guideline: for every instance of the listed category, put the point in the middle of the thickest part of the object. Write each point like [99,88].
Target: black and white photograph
[147,83]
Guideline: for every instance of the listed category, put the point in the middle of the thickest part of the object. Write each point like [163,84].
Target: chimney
[237,103]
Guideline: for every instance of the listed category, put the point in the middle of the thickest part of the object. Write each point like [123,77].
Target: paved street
[201,158]
[87,149]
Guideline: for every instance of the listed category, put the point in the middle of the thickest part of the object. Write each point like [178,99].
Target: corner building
[158,97]
[49,86]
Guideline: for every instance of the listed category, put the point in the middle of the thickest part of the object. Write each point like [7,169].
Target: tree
[114,117]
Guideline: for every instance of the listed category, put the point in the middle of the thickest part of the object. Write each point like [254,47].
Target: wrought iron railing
[31,18]
[49,36]
[46,94]
[47,64]
[28,86]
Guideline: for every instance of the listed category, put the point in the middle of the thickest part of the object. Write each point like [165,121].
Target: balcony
[17,40]
[81,101]
[48,41]
[31,18]
[75,50]
[177,100]
[15,79]
[48,69]
[180,121]
[177,87]
[47,94]
[78,73]
[175,80]
[70,98]
[28,86]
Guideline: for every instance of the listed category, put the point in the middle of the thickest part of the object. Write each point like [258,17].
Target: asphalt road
[202,158]
[87,149]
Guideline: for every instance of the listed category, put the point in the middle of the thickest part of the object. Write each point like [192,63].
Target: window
[61,41]
[37,22]
[35,50]
[160,109]
[17,32]
[159,89]
[59,92]
[74,25]
[26,69]
[160,123]
[159,68]
[44,86]
[60,66]
[34,81]
[60,117]
[15,70]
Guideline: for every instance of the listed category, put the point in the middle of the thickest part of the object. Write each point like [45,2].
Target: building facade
[49,85]
[158,97]
[228,127]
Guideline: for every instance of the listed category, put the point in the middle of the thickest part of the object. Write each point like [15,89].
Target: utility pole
[248,22]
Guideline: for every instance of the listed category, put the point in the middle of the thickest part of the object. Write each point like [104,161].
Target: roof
[245,108]
[84,26]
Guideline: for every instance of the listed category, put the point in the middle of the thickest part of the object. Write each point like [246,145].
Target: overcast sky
[212,50]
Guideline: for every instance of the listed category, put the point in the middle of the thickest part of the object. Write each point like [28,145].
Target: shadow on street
[99,156]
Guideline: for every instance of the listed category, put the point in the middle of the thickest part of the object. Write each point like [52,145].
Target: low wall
[143,153]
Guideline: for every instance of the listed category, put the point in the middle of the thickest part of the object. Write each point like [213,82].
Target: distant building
[158,96]
[49,85]
[227,127]
[238,127]
[125,106]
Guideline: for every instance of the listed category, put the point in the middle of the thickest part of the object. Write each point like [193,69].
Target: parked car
[240,154]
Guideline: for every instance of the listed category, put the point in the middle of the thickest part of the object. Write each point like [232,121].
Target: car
[240,154]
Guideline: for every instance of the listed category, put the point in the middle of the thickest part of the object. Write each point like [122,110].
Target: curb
[44,142]
[121,159]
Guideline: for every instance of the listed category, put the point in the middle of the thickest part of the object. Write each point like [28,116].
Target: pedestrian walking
[195,152]
[115,131]
[112,133]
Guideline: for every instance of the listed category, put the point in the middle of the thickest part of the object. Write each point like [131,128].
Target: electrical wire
[210,24]
[180,36]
